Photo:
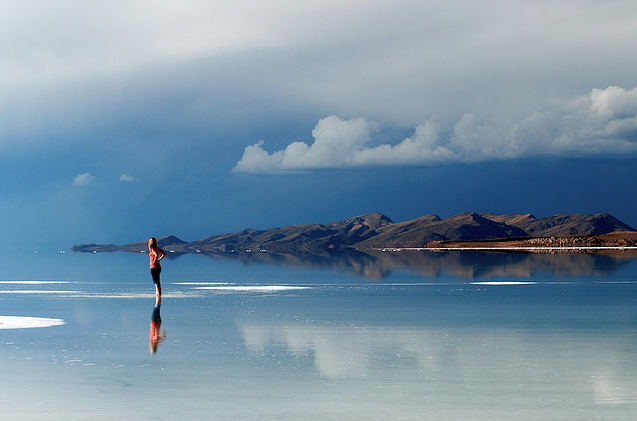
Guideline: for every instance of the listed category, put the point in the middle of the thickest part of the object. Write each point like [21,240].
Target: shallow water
[471,336]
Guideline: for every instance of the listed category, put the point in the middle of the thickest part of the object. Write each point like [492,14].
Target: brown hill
[304,238]
[169,243]
[572,224]
[419,232]
[514,219]
[375,230]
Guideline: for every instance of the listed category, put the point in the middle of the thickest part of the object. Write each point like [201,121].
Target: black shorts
[156,315]
[154,272]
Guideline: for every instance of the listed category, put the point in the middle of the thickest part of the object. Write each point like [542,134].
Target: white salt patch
[263,288]
[17,322]
[201,283]
[133,295]
[36,291]
[122,295]
[33,282]
[504,283]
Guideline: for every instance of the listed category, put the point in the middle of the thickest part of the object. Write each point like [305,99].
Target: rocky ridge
[374,231]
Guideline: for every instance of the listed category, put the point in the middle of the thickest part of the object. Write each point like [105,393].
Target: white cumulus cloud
[603,121]
[84,179]
[127,178]
[336,142]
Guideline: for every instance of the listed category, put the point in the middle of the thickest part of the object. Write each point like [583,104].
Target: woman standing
[155,254]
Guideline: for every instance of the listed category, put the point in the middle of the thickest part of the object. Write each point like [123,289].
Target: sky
[125,119]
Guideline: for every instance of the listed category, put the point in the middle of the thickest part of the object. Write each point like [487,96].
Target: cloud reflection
[499,360]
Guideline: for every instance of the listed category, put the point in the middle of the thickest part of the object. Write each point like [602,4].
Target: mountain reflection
[378,265]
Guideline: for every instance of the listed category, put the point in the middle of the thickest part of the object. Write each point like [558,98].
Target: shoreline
[508,248]
[611,242]
[621,241]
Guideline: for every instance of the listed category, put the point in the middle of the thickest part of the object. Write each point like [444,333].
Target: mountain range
[372,231]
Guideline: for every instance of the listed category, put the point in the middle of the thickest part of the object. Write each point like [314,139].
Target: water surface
[405,337]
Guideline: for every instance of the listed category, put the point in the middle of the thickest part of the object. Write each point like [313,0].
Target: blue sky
[125,119]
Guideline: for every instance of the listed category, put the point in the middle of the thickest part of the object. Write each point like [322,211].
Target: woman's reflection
[156,334]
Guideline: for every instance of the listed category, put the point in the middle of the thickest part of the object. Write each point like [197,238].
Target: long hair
[152,243]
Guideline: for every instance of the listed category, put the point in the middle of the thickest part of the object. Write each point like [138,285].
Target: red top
[154,257]
[154,330]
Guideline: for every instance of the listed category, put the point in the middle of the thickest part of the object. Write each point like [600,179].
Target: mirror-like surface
[464,336]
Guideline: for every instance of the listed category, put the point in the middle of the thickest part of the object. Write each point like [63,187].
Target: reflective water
[422,337]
